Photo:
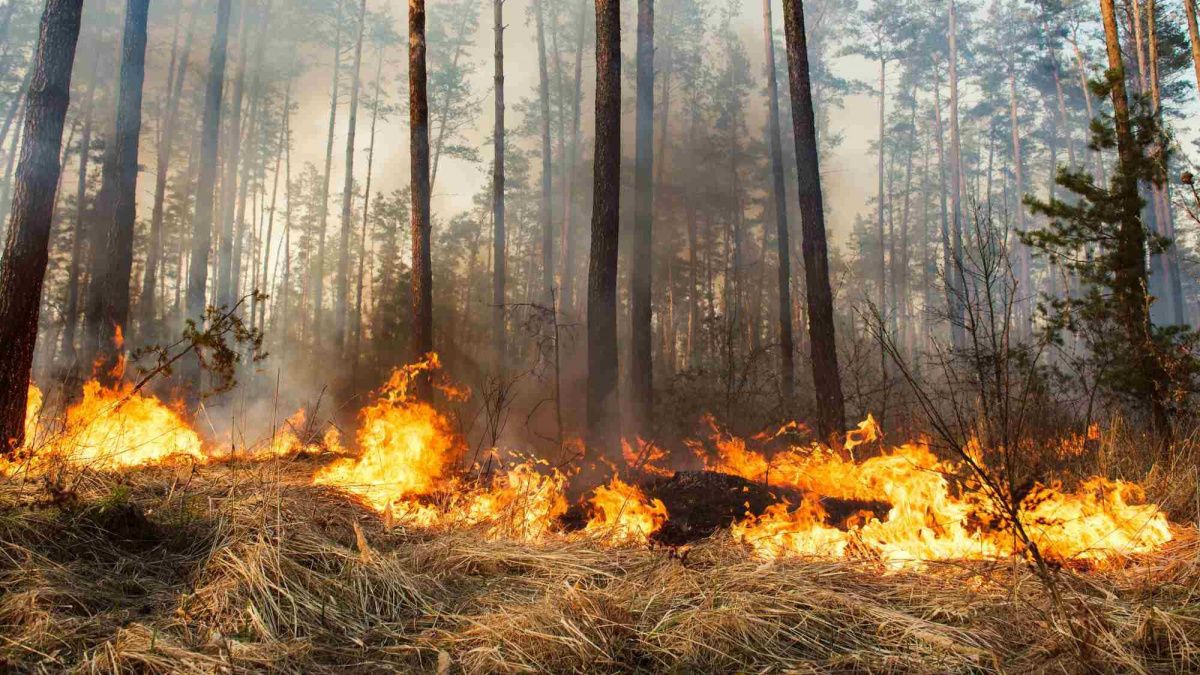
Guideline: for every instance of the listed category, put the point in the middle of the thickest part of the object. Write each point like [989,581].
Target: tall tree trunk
[567,274]
[958,313]
[641,365]
[422,264]
[252,164]
[176,76]
[1165,264]
[27,247]
[881,203]
[827,380]
[202,221]
[258,314]
[1193,35]
[1130,282]
[283,303]
[787,348]
[80,234]
[318,272]
[900,253]
[602,407]
[356,352]
[112,288]
[343,270]
[499,238]
[546,205]
[232,158]
[1025,291]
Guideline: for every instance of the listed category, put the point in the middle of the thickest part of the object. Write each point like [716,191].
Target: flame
[406,447]
[916,506]
[33,413]
[112,428]
[646,458]
[523,504]
[932,513]
[623,514]
[407,455]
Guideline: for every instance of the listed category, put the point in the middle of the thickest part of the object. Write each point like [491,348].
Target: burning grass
[235,567]
[294,555]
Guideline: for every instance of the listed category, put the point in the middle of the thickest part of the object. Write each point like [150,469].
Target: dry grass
[246,568]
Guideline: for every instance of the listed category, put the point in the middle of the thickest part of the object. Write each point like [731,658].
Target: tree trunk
[1025,293]
[602,407]
[1165,264]
[71,312]
[252,164]
[1193,35]
[546,205]
[232,158]
[176,76]
[120,175]
[260,317]
[27,247]
[343,269]
[641,366]
[356,352]
[881,258]
[499,253]
[1130,278]
[831,411]
[567,275]
[202,221]
[787,349]
[422,264]
[318,272]
[958,313]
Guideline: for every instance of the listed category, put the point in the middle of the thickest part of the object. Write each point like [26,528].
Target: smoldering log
[700,503]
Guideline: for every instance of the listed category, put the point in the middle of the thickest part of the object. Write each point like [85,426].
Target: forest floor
[237,568]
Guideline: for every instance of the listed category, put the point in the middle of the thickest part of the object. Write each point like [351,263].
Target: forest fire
[109,429]
[409,467]
[936,510]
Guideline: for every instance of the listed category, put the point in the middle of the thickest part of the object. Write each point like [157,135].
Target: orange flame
[623,514]
[112,428]
[931,516]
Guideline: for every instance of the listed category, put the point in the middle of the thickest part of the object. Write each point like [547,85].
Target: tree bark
[252,164]
[343,271]
[881,198]
[356,352]
[176,76]
[546,205]
[1165,264]
[787,348]
[422,264]
[202,221]
[567,274]
[1025,295]
[602,408]
[1130,282]
[1193,36]
[112,287]
[641,366]
[318,272]
[71,312]
[958,313]
[831,411]
[232,158]
[499,237]
[27,246]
